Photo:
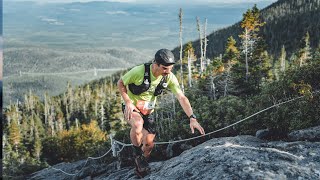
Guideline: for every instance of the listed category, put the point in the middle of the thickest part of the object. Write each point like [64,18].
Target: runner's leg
[148,143]
[136,123]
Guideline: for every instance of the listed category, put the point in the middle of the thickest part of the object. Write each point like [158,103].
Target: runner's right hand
[128,111]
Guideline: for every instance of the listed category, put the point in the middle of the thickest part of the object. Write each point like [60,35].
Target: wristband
[192,116]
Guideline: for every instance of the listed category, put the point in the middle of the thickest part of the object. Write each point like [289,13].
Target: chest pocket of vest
[145,85]
[161,86]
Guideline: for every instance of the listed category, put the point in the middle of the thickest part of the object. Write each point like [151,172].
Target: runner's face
[165,70]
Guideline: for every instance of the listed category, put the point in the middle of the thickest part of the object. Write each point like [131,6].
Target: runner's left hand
[194,124]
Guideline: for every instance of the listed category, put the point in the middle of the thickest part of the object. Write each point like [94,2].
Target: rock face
[310,134]
[240,157]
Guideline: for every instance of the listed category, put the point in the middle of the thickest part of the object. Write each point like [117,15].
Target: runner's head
[164,57]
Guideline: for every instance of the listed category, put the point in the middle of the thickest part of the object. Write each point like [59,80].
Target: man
[139,88]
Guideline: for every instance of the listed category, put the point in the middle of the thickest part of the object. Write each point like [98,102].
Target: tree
[180,37]
[230,57]
[14,134]
[37,147]
[205,43]
[305,51]
[251,24]
[283,63]
[254,63]
[201,46]
[316,55]
[189,56]
[102,114]
[231,52]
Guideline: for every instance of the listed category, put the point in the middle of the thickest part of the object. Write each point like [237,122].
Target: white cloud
[74,10]
[117,13]
[51,21]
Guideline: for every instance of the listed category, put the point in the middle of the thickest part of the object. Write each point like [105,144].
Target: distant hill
[37,59]
[287,21]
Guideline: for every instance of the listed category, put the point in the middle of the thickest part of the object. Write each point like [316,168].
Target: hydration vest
[145,85]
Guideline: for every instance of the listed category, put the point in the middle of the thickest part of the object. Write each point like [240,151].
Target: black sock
[137,151]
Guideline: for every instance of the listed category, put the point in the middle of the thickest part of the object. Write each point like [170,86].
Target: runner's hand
[194,124]
[128,111]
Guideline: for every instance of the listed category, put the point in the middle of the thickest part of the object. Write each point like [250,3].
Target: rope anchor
[114,147]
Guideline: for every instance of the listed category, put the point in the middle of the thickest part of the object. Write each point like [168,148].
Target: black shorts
[148,122]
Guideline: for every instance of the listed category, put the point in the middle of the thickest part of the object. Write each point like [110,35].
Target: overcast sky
[158,1]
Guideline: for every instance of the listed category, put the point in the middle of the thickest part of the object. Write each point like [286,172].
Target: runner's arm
[185,104]
[129,106]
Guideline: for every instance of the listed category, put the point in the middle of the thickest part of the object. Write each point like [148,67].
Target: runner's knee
[137,126]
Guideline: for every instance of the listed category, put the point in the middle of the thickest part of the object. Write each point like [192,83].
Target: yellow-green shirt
[136,76]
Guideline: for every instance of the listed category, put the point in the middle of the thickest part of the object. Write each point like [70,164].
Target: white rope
[74,174]
[182,140]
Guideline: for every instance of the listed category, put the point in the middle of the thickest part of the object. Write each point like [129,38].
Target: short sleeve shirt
[136,76]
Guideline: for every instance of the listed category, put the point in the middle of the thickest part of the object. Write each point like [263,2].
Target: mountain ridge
[299,18]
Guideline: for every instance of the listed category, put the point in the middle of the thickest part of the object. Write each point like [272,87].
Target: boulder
[263,134]
[310,134]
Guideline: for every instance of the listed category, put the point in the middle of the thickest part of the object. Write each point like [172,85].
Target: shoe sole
[141,169]
[141,174]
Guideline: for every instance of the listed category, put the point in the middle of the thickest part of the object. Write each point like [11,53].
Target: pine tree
[251,24]
[231,53]
[69,100]
[230,57]
[253,65]
[14,134]
[316,55]
[305,51]
[283,64]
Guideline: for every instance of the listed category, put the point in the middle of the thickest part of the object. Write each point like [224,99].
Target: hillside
[287,21]
[49,70]
[39,59]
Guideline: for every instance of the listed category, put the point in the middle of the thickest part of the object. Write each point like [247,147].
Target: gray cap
[164,57]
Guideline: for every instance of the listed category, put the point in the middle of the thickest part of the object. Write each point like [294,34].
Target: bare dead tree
[102,115]
[205,42]
[180,37]
[201,48]
[189,69]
